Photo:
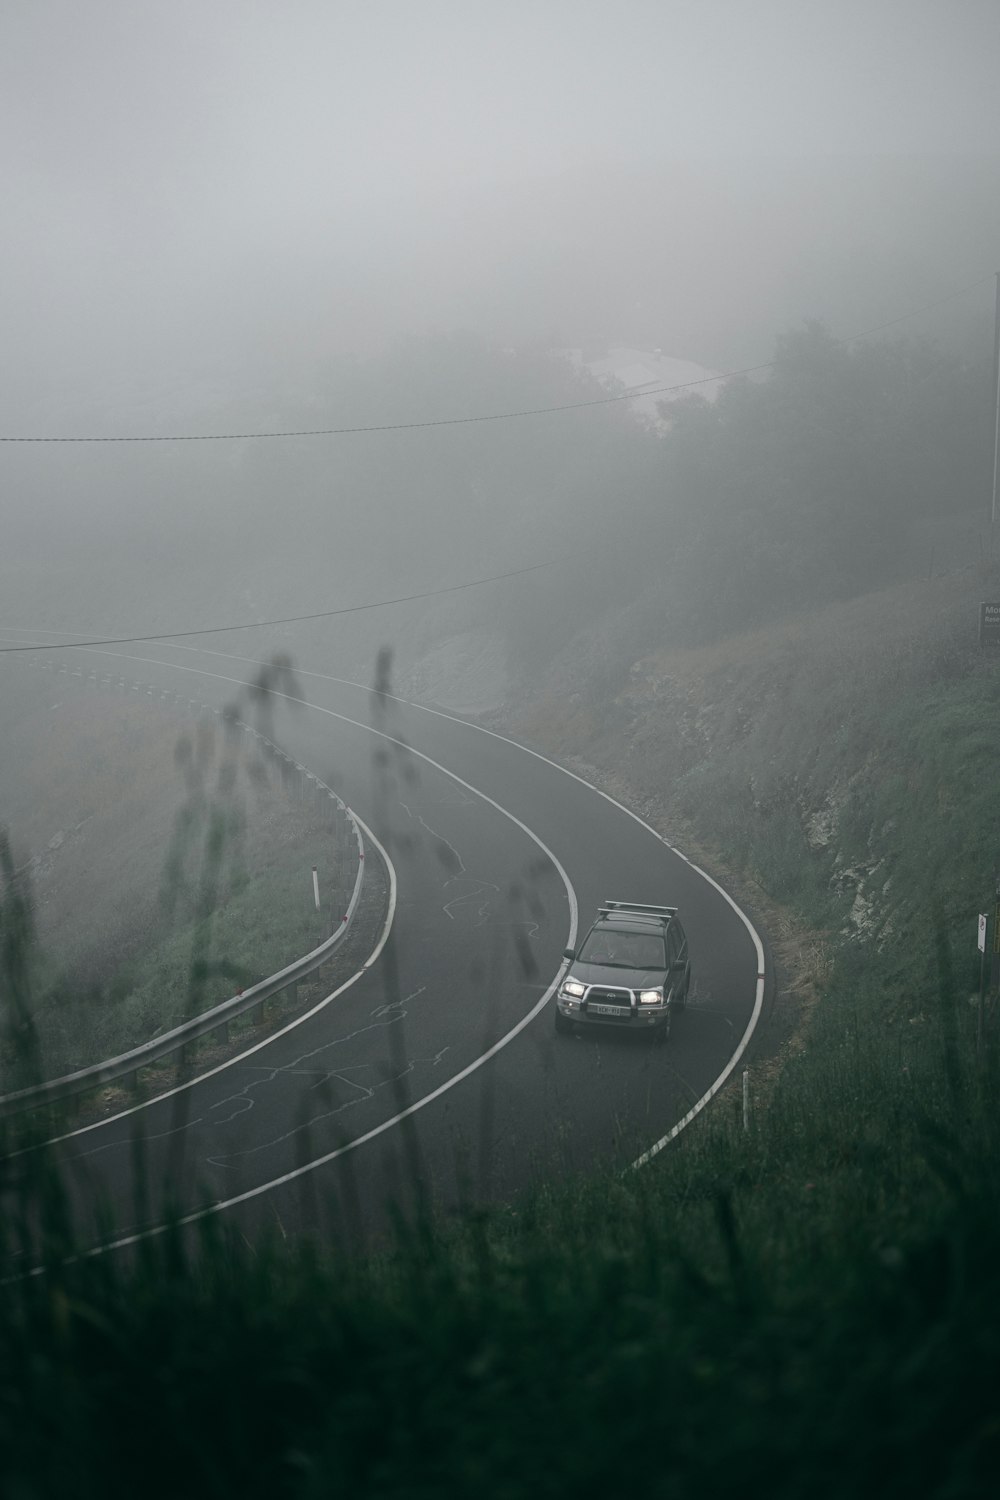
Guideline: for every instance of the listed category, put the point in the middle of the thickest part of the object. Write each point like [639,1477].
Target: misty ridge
[836,468]
[360,216]
[440,318]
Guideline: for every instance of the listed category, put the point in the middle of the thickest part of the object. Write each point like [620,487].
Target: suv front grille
[610,1003]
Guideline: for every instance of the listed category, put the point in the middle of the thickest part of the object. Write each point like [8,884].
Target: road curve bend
[437,1076]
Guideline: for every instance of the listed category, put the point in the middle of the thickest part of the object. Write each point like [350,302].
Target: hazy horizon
[247,213]
[231,194]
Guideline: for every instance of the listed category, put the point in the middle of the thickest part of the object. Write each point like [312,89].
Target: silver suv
[631,971]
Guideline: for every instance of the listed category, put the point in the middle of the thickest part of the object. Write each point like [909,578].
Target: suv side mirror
[569,953]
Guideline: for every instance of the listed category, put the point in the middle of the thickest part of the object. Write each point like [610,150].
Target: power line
[407,426]
[916,312]
[497,416]
[326,614]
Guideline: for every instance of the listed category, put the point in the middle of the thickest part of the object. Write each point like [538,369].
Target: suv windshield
[624,950]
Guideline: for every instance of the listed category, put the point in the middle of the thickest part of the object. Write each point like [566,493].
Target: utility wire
[326,614]
[129,640]
[498,416]
[917,311]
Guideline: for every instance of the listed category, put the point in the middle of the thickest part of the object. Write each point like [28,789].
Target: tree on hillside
[809,484]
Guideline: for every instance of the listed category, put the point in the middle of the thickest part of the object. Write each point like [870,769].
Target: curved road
[494,848]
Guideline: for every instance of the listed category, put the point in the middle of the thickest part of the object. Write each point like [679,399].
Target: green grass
[809,1305]
[235,904]
[265,922]
[907,783]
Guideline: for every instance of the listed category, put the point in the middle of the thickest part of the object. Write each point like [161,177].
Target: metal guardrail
[220,1015]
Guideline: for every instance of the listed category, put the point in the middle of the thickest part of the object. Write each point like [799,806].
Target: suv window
[623,950]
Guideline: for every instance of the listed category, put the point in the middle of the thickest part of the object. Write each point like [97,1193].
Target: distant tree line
[812,484]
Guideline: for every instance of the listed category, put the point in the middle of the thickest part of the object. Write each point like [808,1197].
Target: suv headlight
[650,997]
[575,988]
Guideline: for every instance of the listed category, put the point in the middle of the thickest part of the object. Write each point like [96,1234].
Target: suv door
[677,958]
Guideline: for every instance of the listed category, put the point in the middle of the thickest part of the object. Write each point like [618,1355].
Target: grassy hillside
[842,762]
[807,1307]
[151,843]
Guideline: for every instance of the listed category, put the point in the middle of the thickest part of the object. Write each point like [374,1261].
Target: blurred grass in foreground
[807,1308]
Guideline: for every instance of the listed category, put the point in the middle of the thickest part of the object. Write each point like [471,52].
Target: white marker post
[983,923]
[315,887]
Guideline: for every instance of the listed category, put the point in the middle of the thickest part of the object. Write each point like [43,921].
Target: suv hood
[616,978]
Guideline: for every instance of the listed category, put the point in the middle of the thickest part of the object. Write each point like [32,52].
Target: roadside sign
[982,932]
[989,624]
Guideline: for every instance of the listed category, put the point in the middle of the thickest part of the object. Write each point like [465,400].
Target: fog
[247,216]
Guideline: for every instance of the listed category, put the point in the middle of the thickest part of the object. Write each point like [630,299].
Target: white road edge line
[751,1027]
[273,1037]
[221,1205]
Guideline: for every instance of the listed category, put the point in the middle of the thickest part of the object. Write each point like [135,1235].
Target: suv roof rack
[637,909]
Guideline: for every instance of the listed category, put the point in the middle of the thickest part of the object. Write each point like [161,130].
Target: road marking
[706,1098]
[299,1021]
[427,1098]
[758,1006]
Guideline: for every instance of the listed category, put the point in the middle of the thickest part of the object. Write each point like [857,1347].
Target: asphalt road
[383,1100]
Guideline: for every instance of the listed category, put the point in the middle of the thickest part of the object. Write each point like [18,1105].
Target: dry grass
[93,791]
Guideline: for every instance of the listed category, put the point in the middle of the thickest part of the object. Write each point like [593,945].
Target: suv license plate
[609,1010]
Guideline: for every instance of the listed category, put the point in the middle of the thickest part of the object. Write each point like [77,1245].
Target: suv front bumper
[589,1011]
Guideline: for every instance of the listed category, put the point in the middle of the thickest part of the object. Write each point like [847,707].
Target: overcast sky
[189,187]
